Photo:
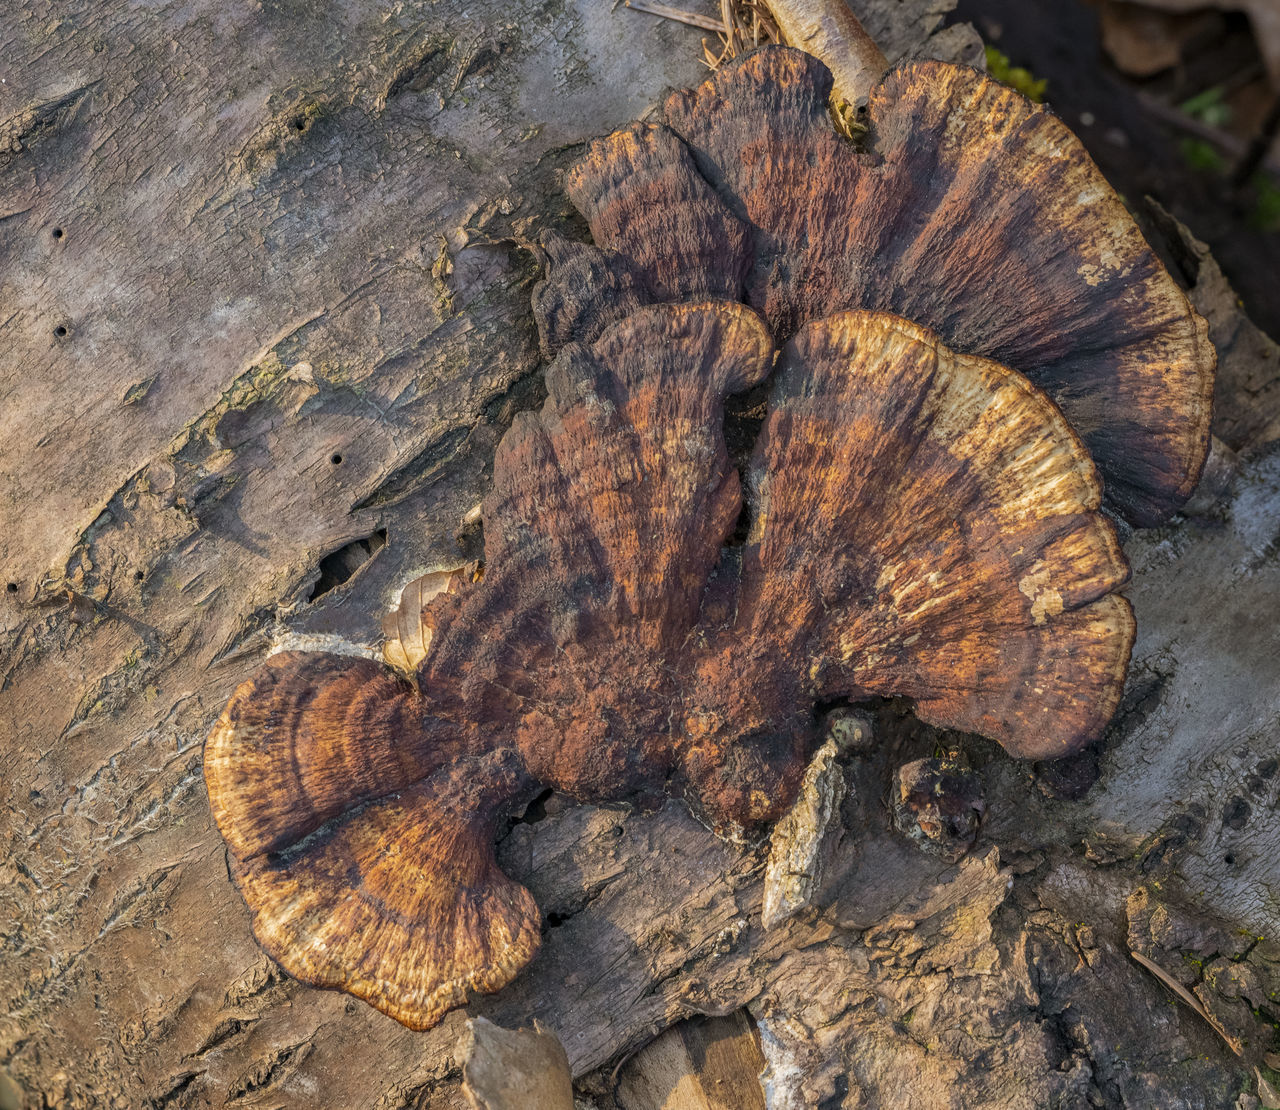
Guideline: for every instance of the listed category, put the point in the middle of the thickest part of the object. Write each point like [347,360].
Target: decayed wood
[797,840]
[701,1064]
[247,300]
[514,1069]
[1246,403]
[287,329]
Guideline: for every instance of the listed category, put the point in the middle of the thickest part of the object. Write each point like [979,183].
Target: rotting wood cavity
[339,566]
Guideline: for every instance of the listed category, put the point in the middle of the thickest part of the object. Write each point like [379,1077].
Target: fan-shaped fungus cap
[926,527]
[924,524]
[360,809]
[361,835]
[970,210]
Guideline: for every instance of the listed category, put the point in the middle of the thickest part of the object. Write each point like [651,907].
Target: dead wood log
[265,310]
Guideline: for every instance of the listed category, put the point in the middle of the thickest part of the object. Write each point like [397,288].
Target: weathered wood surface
[514,1069]
[296,317]
[700,1064]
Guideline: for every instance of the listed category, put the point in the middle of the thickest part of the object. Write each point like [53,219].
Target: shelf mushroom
[967,209]
[924,523]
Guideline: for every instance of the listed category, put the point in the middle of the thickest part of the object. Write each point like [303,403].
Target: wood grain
[702,1064]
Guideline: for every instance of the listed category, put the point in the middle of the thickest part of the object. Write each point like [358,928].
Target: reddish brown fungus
[968,209]
[924,524]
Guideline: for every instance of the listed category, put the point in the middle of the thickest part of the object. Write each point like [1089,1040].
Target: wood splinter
[795,845]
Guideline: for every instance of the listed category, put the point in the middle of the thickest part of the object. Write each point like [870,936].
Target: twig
[1234,148]
[735,35]
[1256,152]
[715,61]
[828,30]
[676,14]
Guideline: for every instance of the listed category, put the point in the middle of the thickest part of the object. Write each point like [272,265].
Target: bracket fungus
[922,520]
[924,523]
[965,208]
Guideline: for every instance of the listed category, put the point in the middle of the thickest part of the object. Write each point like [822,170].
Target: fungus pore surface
[923,524]
[966,208]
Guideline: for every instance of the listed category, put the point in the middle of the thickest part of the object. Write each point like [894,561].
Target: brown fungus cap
[926,527]
[586,290]
[969,210]
[644,174]
[361,833]
[924,524]
[360,809]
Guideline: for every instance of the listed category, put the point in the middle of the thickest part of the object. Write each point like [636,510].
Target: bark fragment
[796,843]
[514,1069]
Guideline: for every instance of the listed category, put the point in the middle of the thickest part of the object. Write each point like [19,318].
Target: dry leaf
[1264,17]
[407,627]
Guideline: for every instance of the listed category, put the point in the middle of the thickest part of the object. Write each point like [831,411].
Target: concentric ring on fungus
[925,524]
[967,209]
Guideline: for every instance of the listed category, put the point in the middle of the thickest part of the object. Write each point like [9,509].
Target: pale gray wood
[514,1069]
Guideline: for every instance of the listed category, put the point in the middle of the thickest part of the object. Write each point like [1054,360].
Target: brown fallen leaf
[1142,41]
[1264,17]
[1190,999]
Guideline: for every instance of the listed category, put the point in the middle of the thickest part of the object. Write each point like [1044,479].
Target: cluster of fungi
[963,336]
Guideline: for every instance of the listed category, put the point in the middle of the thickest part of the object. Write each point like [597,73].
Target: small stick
[1231,146]
[829,31]
[1257,148]
[691,18]
[712,61]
